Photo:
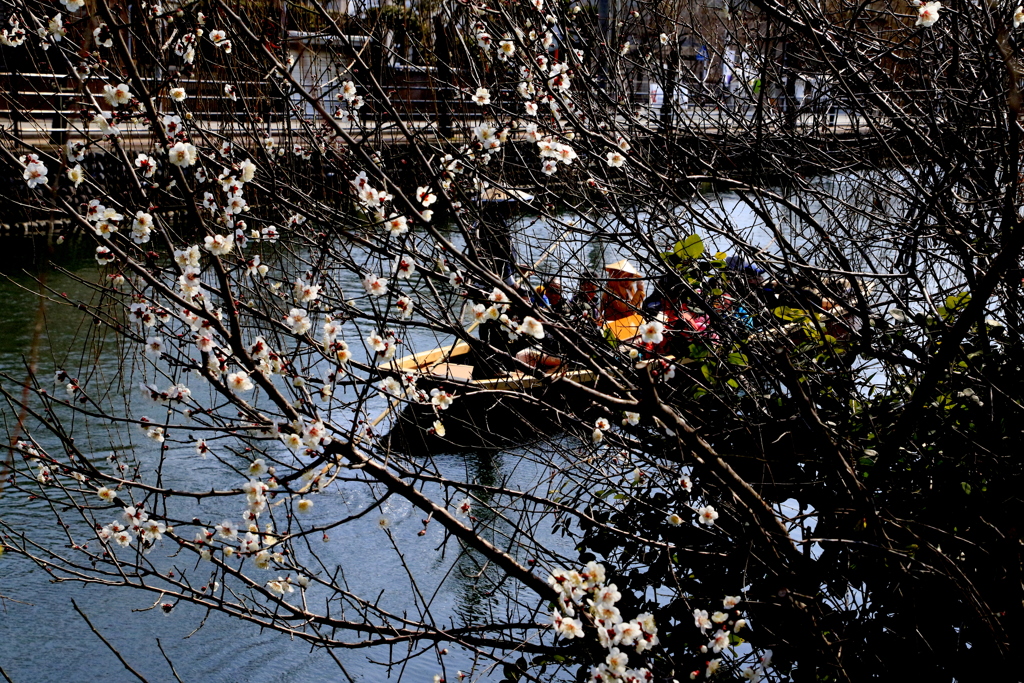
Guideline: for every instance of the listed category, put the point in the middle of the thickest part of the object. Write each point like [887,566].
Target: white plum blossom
[154,346]
[375,286]
[1018,16]
[239,381]
[142,226]
[616,662]
[146,164]
[35,173]
[652,332]
[498,296]
[279,587]
[707,515]
[219,245]
[719,642]
[424,196]
[117,95]
[928,13]
[701,620]
[103,36]
[248,171]
[172,123]
[566,627]
[298,321]
[76,175]
[392,386]
[628,632]
[531,327]
[75,151]
[384,345]
[182,154]
[397,225]
[187,257]
[218,37]
[54,28]
[442,399]
[405,307]
[304,291]
[482,97]
[616,159]
[178,94]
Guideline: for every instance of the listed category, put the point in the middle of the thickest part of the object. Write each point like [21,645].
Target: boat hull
[494,413]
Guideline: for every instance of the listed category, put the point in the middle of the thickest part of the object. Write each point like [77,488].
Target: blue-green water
[43,639]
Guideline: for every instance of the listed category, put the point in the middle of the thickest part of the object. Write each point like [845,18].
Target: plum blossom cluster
[14,34]
[552,152]
[588,592]
[724,628]
[35,170]
[310,435]
[135,524]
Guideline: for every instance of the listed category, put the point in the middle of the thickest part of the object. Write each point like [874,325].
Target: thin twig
[107,643]
[168,660]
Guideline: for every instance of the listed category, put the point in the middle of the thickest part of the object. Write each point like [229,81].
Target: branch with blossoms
[738,282]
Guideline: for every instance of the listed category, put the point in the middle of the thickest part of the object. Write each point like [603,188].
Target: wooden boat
[493,412]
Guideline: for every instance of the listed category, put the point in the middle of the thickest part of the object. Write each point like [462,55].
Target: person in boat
[621,301]
[549,296]
[624,291]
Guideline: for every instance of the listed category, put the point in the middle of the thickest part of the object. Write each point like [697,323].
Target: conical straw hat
[622,266]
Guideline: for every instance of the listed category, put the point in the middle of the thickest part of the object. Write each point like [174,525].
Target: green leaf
[954,304]
[787,313]
[690,247]
[738,359]
[697,351]
[966,487]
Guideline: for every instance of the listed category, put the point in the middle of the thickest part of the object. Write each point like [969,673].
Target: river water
[41,637]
